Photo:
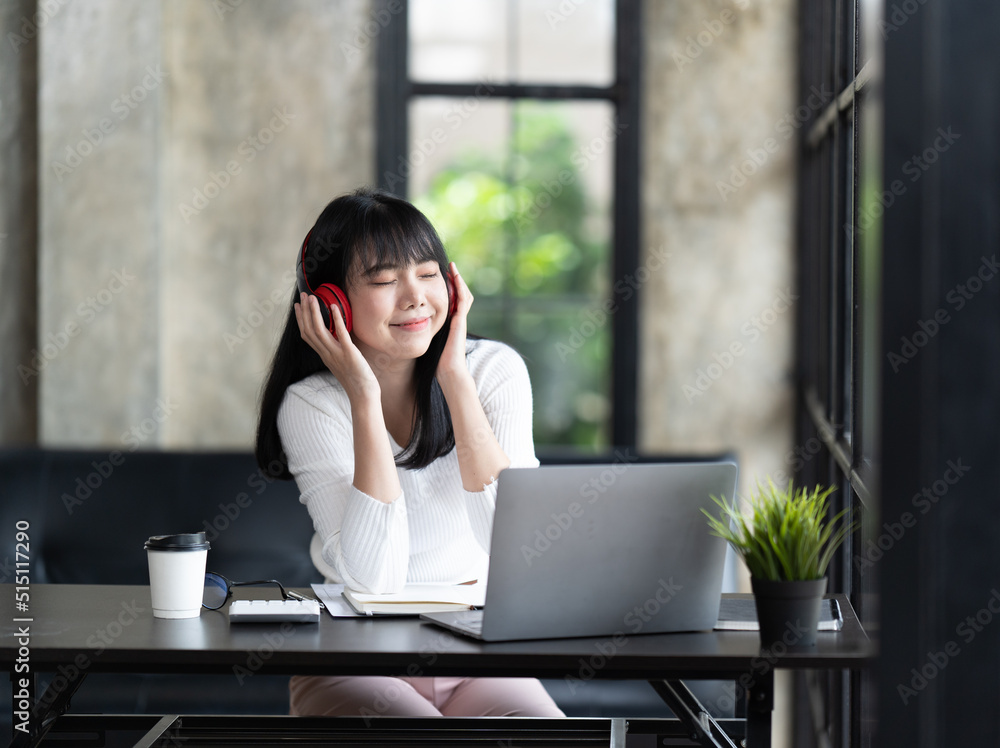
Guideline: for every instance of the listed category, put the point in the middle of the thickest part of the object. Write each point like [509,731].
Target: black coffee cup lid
[186,541]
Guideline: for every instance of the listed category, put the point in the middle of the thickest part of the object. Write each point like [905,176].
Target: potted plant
[786,541]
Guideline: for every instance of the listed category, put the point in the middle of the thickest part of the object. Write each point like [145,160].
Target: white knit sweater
[435,531]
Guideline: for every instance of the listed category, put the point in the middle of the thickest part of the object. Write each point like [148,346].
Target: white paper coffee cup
[177,573]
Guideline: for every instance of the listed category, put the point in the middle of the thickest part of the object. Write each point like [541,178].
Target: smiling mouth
[413,325]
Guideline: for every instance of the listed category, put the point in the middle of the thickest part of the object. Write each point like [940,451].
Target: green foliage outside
[535,255]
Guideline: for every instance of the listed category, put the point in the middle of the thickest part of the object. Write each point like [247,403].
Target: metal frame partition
[898,346]
[834,439]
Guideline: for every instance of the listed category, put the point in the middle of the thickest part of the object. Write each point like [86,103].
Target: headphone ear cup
[329,294]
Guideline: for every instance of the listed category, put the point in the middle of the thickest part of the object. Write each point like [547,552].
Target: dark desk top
[112,628]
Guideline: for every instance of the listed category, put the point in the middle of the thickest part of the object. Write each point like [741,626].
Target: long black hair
[363,229]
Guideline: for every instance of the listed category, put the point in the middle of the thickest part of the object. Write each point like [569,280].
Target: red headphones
[329,294]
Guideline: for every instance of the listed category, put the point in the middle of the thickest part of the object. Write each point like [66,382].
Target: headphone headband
[300,271]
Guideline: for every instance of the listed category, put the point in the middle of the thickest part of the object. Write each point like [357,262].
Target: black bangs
[366,231]
[395,236]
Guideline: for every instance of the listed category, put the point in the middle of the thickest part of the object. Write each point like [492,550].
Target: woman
[395,433]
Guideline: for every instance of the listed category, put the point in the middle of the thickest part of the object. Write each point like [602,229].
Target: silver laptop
[596,550]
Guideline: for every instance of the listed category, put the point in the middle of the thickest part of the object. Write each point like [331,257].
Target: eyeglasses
[218,590]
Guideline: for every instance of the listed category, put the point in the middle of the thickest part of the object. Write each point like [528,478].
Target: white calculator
[274,611]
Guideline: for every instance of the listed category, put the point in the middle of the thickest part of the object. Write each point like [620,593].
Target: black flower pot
[788,612]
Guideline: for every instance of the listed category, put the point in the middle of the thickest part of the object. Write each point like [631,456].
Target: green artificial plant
[785,535]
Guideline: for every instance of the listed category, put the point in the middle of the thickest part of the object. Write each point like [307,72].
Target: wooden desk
[78,629]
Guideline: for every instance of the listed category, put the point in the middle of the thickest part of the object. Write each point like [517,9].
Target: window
[838,251]
[514,126]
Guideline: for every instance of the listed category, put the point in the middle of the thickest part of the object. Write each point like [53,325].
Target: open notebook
[415,599]
[740,614]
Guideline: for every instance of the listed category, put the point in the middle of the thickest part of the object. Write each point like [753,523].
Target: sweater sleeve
[505,393]
[365,542]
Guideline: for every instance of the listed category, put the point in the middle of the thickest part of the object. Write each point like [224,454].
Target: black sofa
[89,515]
[91,511]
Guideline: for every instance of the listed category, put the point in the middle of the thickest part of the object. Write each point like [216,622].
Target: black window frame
[834,366]
[394,92]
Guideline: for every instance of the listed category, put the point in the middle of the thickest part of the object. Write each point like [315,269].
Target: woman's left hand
[480,456]
[453,356]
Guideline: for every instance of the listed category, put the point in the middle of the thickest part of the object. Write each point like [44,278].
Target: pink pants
[377,695]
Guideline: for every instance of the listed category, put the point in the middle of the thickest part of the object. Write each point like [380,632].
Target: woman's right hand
[339,353]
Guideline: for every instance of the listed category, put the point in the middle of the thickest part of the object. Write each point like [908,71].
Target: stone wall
[718,145]
[186,147]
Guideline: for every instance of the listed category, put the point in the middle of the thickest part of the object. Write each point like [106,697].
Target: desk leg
[760,705]
[619,729]
[686,707]
[44,712]
[163,728]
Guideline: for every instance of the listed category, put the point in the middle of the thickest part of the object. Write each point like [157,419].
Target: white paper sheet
[338,607]
[334,601]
